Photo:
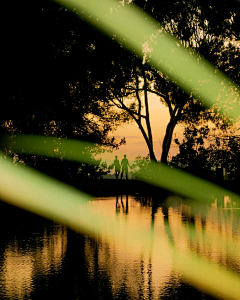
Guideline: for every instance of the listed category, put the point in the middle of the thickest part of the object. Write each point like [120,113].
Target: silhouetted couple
[124,165]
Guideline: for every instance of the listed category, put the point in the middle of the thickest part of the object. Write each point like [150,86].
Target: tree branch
[138,98]
[149,129]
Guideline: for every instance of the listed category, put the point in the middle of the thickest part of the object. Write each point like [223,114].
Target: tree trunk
[149,145]
[175,116]
[168,139]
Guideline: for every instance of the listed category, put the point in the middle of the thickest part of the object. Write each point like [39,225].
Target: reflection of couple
[124,164]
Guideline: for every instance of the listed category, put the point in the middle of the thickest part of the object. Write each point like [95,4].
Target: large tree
[73,76]
[209,30]
[52,66]
[49,75]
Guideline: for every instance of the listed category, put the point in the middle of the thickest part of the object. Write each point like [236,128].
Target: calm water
[41,259]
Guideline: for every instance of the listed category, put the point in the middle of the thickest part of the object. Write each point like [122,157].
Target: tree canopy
[53,63]
[202,26]
[204,149]
[64,78]
[51,73]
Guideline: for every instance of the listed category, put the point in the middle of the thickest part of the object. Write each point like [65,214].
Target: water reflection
[17,274]
[121,204]
[132,272]
[210,231]
[47,259]
[27,257]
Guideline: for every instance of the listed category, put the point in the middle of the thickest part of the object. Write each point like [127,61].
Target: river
[41,259]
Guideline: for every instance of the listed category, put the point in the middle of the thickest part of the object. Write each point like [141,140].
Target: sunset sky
[135,143]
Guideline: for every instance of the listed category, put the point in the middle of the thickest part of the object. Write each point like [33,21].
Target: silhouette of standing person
[124,164]
[117,167]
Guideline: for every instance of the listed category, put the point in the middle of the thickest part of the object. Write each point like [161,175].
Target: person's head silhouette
[125,155]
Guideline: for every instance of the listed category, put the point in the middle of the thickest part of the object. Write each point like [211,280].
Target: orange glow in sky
[135,143]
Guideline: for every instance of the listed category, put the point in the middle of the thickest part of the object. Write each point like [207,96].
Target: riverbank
[113,187]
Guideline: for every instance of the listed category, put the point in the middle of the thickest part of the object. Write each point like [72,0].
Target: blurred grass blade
[199,212]
[134,28]
[186,184]
[174,180]
[212,279]
[29,189]
[62,148]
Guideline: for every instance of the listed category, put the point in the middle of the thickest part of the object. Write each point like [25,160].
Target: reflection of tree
[153,202]
[205,229]
[114,269]
[30,253]
[66,263]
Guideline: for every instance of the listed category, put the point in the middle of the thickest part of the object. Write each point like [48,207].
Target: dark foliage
[201,152]
[53,63]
